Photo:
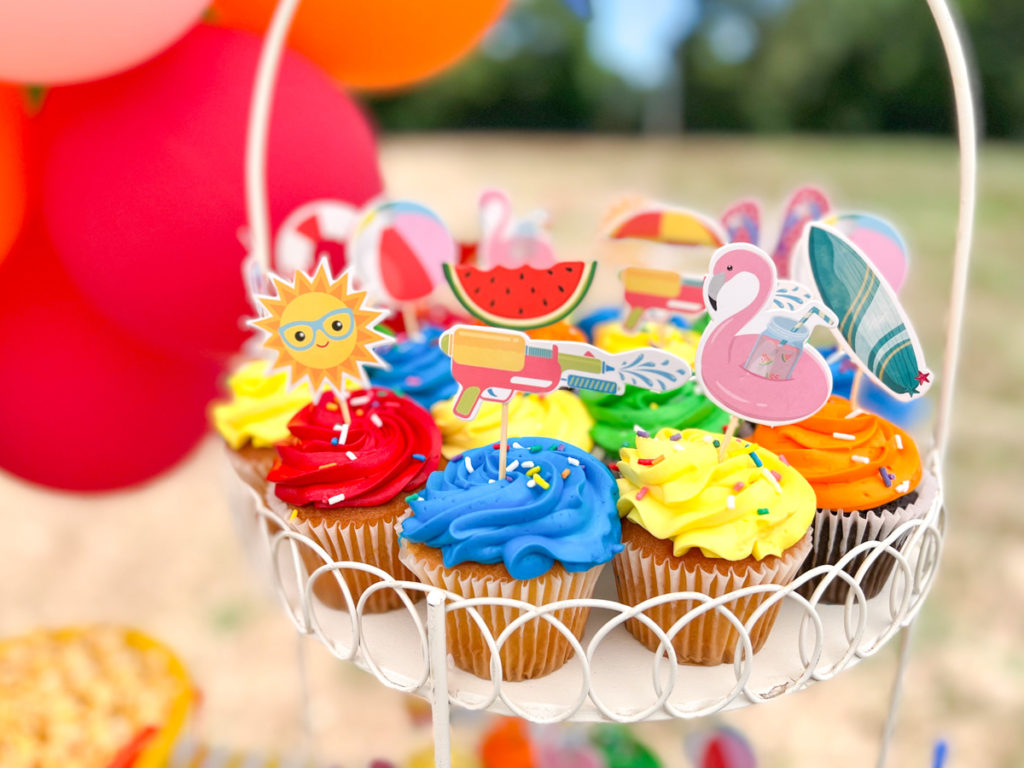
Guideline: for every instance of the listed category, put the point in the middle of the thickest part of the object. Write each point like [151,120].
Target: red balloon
[82,406]
[143,181]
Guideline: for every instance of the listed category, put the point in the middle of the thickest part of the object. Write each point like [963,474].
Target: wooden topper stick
[855,387]
[730,430]
[412,323]
[343,402]
[503,442]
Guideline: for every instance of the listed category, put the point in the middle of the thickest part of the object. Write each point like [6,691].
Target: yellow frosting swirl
[559,415]
[612,337]
[688,490]
[260,407]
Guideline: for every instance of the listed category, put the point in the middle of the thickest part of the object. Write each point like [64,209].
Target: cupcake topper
[508,243]
[492,364]
[663,289]
[397,250]
[321,331]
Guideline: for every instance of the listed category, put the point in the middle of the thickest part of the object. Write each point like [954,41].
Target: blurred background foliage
[723,65]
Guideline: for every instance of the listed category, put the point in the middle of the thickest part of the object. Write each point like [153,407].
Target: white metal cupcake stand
[613,677]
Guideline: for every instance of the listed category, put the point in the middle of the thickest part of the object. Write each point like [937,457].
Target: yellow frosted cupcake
[559,415]
[693,523]
[614,338]
[255,419]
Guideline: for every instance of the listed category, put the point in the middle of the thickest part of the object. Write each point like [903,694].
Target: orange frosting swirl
[847,474]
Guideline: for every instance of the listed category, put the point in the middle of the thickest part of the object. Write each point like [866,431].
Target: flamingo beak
[714,286]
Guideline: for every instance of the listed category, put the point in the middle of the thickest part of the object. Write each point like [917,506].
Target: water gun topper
[492,364]
[321,330]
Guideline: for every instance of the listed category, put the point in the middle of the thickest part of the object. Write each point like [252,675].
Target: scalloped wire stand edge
[925,538]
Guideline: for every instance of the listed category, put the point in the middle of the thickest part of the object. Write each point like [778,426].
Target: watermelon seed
[561,289]
[492,304]
[545,302]
[508,291]
[522,276]
[476,291]
[520,310]
[551,272]
[492,278]
[532,289]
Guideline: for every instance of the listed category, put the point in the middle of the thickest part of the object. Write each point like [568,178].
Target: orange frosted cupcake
[868,480]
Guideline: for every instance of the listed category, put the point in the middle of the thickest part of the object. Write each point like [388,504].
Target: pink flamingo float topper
[752,359]
[508,243]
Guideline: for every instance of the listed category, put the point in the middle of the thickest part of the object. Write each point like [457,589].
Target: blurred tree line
[804,65]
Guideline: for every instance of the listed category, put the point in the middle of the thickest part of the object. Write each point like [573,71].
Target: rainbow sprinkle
[469,464]
[412,497]
[532,483]
[903,487]
[528,464]
[640,431]
[336,499]
[573,460]
[295,513]
[532,471]
[419,457]
[513,466]
[565,473]
[376,420]
[358,401]
[641,493]
[739,486]
[886,476]
[328,466]
[784,460]
[516,445]
[351,456]
[536,448]
[843,436]
[331,406]
[853,414]
[730,502]
[541,482]
[334,441]
[771,479]
[860,459]
[899,441]
[676,436]
[651,462]
[756,459]
[654,406]
[763,510]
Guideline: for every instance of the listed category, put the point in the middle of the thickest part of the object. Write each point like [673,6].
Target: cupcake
[418,368]
[559,414]
[256,418]
[560,331]
[613,337]
[616,417]
[867,478]
[692,523]
[345,486]
[541,535]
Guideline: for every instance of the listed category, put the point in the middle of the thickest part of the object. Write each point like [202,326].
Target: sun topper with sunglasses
[321,331]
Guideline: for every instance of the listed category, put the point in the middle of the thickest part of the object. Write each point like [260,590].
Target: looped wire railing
[812,641]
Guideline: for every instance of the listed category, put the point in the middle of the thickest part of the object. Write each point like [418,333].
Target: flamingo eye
[729,268]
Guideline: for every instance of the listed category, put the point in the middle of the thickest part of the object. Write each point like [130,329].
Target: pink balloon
[70,41]
[82,406]
[143,182]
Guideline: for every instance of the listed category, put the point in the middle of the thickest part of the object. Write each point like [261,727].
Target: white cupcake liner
[371,542]
[835,533]
[535,649]
[710,638]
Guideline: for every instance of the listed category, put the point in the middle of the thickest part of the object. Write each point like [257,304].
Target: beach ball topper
[320,329]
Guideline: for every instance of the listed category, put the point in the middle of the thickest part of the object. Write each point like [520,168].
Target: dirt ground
[164,557]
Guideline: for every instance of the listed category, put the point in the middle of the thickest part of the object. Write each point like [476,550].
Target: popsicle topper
[320,329]
[397,249]
[492,364]
[661,289]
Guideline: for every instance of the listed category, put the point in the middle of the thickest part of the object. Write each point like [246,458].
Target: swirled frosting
[560,331]
[418,368]
[615,416]
[844,453]
[260,407]
[389,448]
[682,342]
[471,516]
[678,489]
[558,414]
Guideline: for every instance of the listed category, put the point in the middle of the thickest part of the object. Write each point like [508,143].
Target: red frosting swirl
[379,459]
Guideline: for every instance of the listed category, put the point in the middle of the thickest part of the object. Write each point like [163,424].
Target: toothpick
[734,423]
[855,387]
[342,396]
[412,323]
[503,441]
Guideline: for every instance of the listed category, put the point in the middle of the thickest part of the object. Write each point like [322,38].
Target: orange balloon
[13,192]
[375,44]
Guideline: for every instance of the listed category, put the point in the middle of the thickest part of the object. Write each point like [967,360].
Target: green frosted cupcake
[617,416]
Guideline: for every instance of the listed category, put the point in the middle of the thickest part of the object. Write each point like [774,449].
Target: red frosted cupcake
[344,486]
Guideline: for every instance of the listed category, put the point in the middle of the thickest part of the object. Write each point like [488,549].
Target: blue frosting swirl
[517,521]
[419,369]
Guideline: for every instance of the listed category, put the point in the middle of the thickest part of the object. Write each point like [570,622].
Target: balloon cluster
[121,202]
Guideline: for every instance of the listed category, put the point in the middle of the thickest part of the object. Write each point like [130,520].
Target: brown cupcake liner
[369,540]
[533,650]
[710,639]
[834,533]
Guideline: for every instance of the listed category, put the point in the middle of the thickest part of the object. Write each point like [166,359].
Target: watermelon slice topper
[398,248]
[522,298]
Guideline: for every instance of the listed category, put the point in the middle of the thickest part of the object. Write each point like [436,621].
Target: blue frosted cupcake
[541,535]
[418,368]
